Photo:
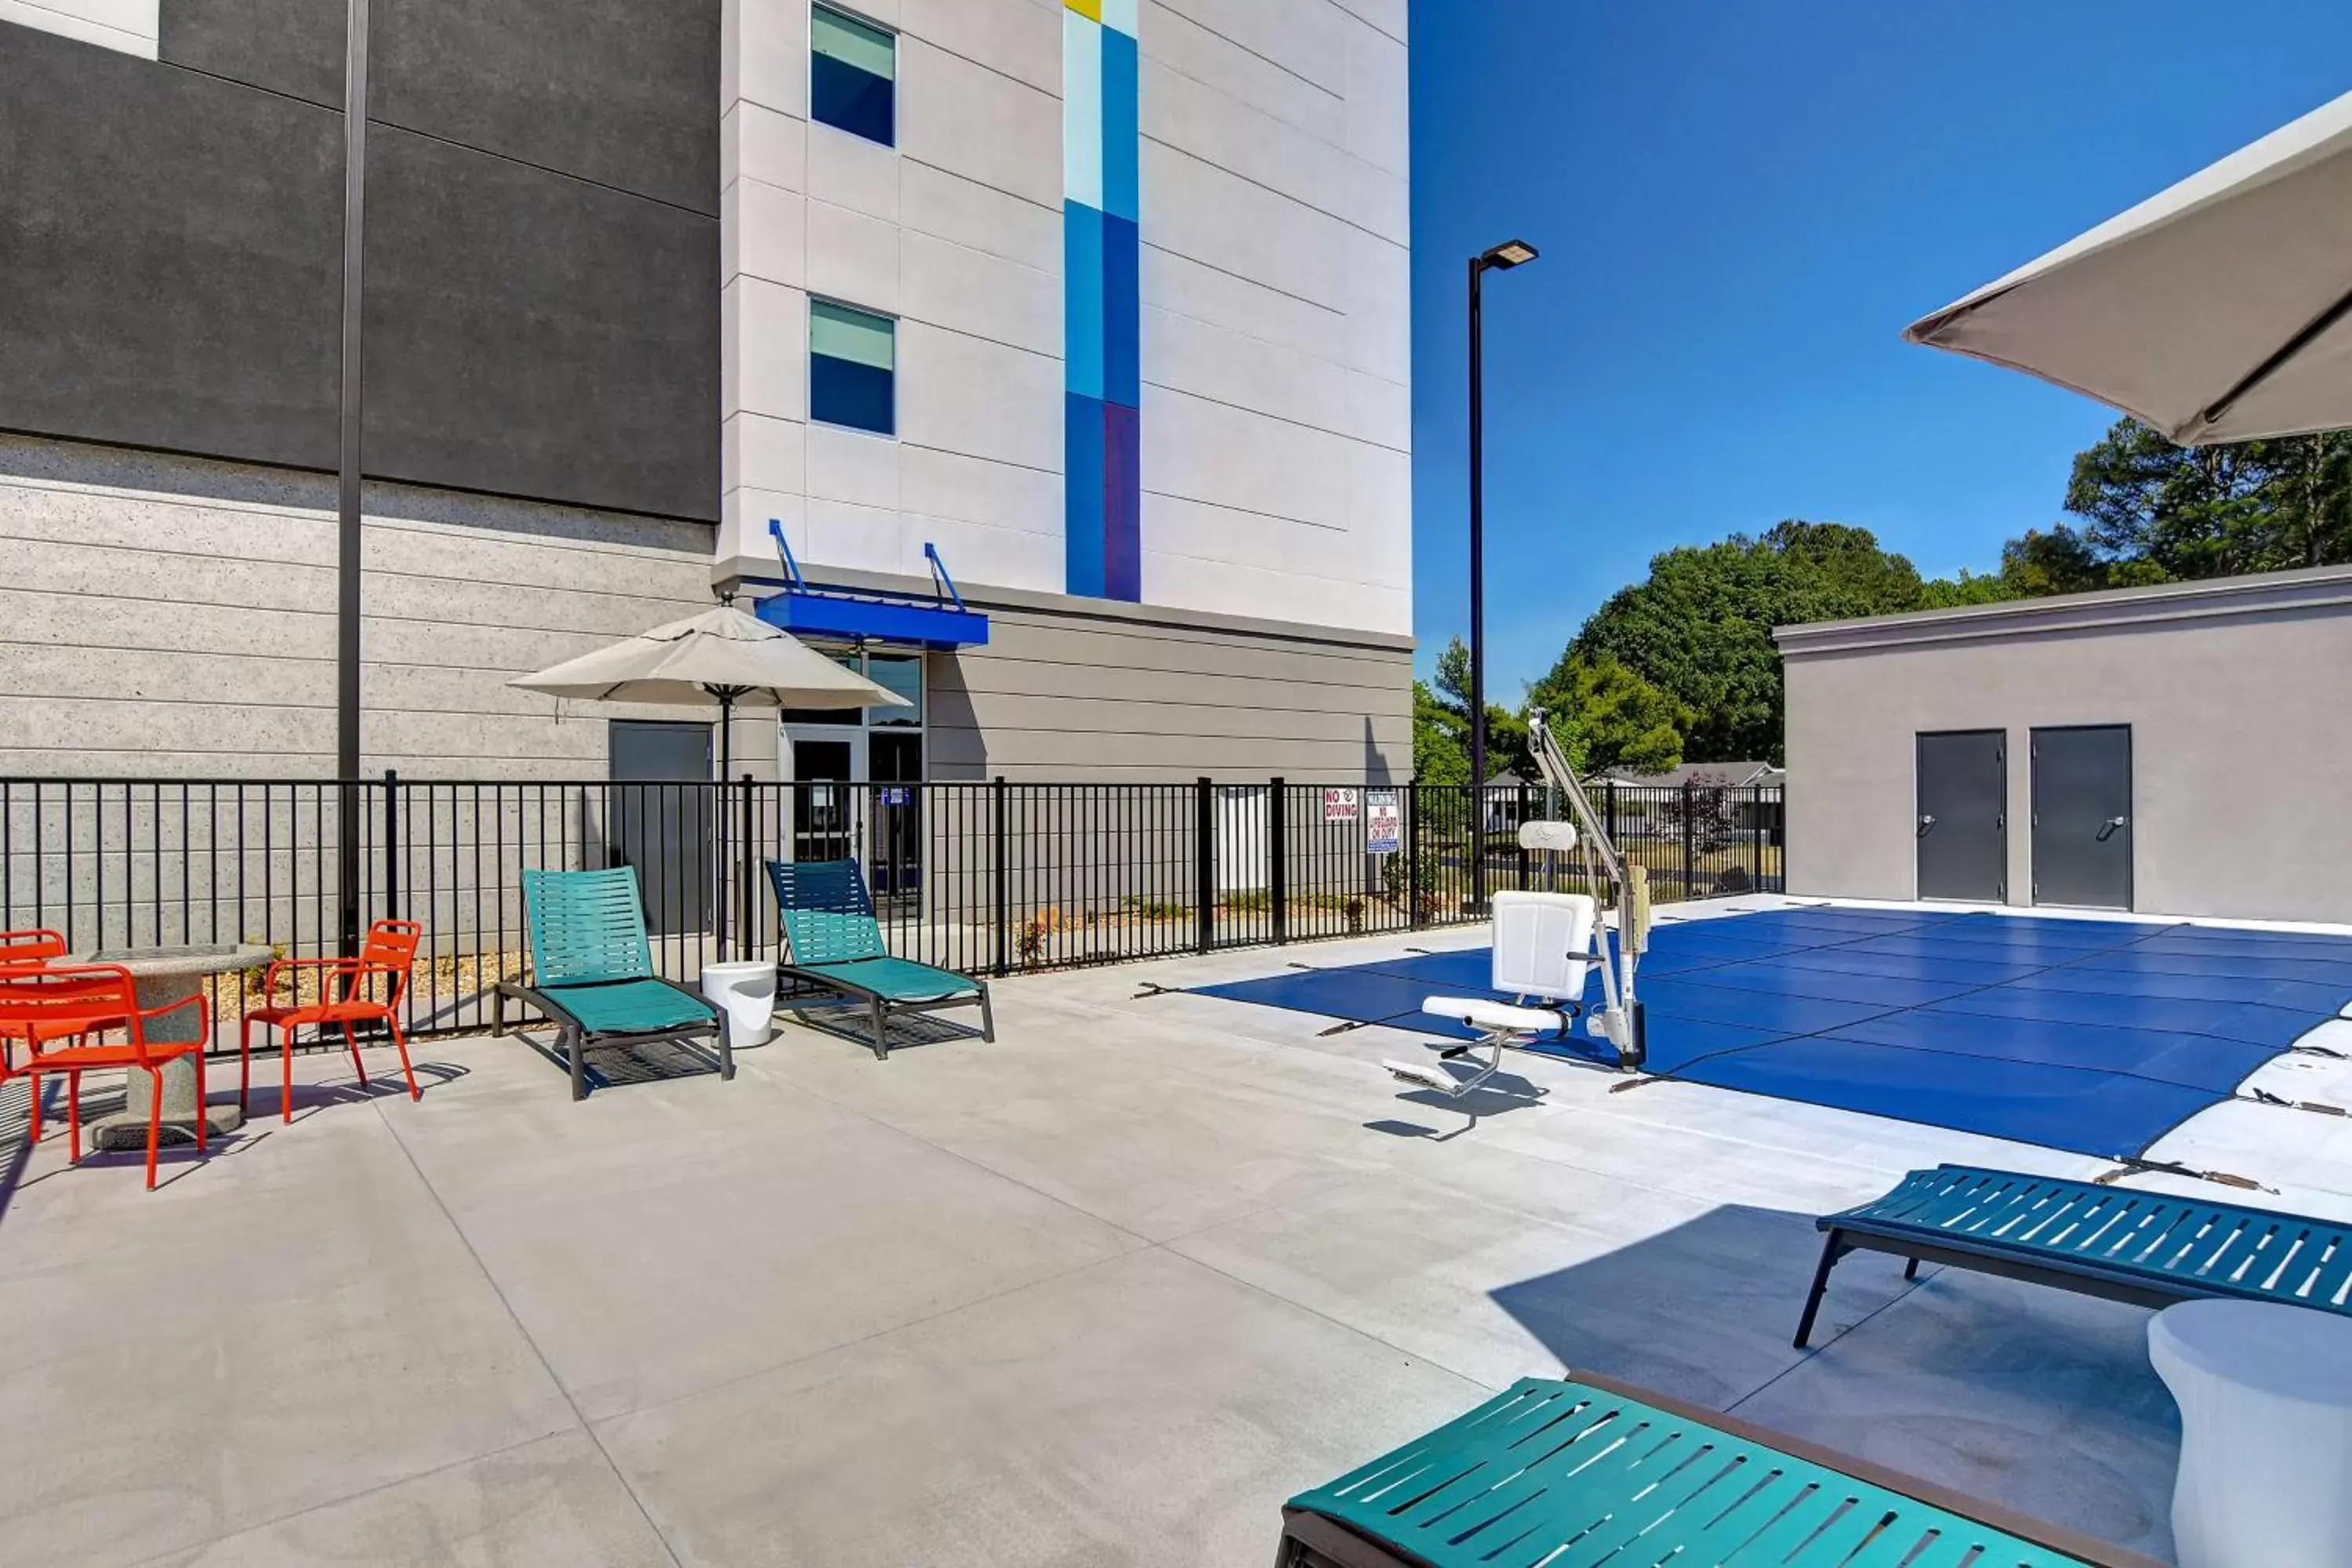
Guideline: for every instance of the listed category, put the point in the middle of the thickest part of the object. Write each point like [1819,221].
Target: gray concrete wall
[1061,695]
[2238,694]
[174,616]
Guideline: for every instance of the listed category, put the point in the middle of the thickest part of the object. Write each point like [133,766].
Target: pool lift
[1547,944]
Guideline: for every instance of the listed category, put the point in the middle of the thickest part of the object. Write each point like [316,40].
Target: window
[852,368]
[853,75]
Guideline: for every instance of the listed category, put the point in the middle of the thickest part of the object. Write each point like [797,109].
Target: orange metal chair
[25,950]
[73,1002]
[389,953]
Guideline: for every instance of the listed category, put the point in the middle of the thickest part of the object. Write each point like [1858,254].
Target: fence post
[1204,865]
[1689,870]
[1523,878]
[390,842]
[1412,848]
[747,876]
[997,831]
[1278,857]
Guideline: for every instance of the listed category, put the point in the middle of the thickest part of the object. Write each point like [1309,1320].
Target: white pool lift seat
[1544,954]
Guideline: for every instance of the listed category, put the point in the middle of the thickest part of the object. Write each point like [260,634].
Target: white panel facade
[132,27]
[1276,464]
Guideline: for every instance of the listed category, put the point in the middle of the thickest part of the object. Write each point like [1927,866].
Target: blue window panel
[1122,135]
[848,99]
[1081,298]
[1083,495]
[1122,313]
[861,396]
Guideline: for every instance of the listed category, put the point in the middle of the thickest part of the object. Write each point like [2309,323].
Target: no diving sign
[1343,804]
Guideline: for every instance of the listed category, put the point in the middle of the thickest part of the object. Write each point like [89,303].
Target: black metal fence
[986,877]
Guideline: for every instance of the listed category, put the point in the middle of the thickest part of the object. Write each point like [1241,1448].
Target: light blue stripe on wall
[1082,110]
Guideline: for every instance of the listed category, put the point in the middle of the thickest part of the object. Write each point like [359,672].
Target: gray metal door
[2082,817]
[662,820]
[1962,824]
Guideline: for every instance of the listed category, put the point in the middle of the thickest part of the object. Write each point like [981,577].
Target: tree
[1440,744]
[1606,716]
[2155,512]
[1700,627]
[1506,732]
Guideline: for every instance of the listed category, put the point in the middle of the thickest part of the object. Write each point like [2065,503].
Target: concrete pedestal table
[166,977]
[2265,1397]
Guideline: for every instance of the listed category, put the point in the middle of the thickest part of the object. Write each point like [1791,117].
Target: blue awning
[908,620]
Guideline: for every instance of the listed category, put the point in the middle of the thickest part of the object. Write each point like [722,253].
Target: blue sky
[1740,207]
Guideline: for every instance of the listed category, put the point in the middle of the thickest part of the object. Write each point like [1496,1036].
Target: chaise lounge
[1588,1471]
[2147,1248]
[835,944]
[592,972]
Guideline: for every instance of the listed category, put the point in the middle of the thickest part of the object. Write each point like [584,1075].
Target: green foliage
[1682,666]
[1606,716]
[1441,727]
[2153,511]
[1700,627]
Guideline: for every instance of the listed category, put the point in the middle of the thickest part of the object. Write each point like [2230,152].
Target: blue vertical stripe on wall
[1082,299]
[1085,489]
[1102,254]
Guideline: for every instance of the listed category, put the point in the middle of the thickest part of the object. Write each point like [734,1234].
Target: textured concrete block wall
[175,617]
[1276,324]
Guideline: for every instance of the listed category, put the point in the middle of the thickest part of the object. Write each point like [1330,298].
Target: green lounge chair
[1574,1474]
[591,971]
[2143,1247]
[834,942]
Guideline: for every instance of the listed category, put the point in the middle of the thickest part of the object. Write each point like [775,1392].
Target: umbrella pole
[725,763]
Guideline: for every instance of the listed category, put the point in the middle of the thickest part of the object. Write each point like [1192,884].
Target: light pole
[1501,259]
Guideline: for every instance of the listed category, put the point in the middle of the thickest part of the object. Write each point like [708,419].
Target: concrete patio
[1103,1293]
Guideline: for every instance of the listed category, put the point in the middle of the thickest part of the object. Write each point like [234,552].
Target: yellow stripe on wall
[1092,9]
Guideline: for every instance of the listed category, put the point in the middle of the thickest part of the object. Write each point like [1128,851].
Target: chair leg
[579,1063]
[401,1041]
[73,1116]
[881,1041]
[35,1080]
[1831,1250]
[726,1051]
[286,1075]
[352,1038]
[987,1016]
[244,1063]
[154,1121]
[1910,1268]
[204,1104]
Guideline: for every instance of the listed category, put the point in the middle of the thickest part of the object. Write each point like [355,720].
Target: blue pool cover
[2094,1036]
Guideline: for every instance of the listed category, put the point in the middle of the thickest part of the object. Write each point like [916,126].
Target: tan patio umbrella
[2219,311]
[722,655]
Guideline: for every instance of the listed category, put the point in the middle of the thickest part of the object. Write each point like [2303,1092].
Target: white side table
[2265,1397]
[746,994]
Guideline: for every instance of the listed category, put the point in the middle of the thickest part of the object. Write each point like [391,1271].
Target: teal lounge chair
[2147,1248]
[834,942]
[591,971]
[1570,1475]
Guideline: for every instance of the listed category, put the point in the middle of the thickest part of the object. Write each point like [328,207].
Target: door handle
[1927,826]
[2107,828]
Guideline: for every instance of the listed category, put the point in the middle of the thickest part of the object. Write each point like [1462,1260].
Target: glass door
[826,814]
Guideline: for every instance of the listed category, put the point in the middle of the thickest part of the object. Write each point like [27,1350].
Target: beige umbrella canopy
[723,656]
[720,656]
[2219,311]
